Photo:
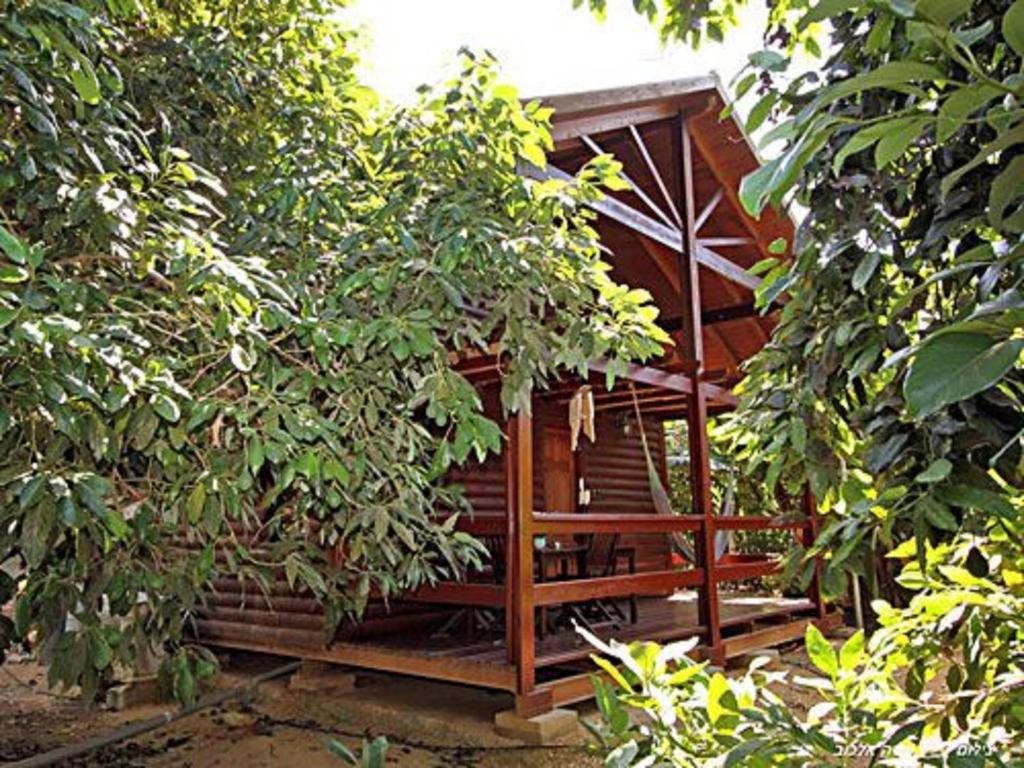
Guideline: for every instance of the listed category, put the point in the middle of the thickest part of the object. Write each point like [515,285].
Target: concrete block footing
[315,676]
[138,690]
[540,730]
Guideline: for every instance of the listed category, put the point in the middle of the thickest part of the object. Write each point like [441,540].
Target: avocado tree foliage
[231,287]
[893,381]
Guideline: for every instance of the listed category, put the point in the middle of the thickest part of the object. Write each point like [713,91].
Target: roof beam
[728,269]
[572,128]
[675,382]
[648,227]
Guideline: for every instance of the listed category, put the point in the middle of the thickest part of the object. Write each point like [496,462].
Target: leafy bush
[940,683]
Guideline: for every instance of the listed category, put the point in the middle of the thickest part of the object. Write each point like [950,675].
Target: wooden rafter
[708,209]
[653,169]
[648,227]
[597,150]
[725,242]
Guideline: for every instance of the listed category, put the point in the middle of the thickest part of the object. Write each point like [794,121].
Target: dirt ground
[427,724]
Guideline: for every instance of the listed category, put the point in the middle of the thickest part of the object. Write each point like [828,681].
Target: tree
[231,284]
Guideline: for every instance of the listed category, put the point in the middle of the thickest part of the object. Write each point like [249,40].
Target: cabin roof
[642,126]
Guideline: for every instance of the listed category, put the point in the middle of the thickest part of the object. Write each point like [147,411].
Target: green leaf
[826,9]
[166,408]
[943,12]
[798,434]
[955,365]
[760,111]
[242,358]
[938,515]
[15,248]
[892,74]
[852,652]
[778,246]
[960,105]
[9,273]
[254,455]
[865,270]
[83,77]
[1003,141]
[937,470]
[898,139]
[972,497]
[859,141]
[1013,27]
[755,187]
[195,503]
[738,755]
[820,651]
[718,688]
[1006,188]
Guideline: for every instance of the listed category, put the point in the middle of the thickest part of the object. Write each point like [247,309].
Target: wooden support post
[529,701]
[697,411]
[810,534]
[511,540]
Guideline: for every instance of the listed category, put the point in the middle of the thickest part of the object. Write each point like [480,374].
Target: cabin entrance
[559,469]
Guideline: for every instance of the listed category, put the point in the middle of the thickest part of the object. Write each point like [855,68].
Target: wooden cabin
[574,533]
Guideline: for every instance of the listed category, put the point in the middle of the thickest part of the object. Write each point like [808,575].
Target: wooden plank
[716,262]
[623,585]
[725,242]
[454,670]
[460,593]
[568,130]
[675,382]
[766,638]
[629,97]
[558,523]
[732,312]
[478,524]
[756,523]
[742,571]
[574,689]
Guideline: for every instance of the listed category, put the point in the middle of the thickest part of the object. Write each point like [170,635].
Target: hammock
[662,503]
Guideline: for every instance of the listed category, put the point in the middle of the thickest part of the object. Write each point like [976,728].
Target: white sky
[544,46]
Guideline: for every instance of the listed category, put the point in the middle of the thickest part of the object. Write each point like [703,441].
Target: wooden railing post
[810,534]
[528,700]
[511,540]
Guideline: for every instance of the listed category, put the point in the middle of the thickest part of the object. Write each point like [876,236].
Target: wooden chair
[602,560]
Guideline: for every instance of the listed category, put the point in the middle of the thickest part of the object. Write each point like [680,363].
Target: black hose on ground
[150,724]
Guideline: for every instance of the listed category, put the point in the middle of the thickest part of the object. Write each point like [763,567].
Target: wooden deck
[659,618]
[749,621]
